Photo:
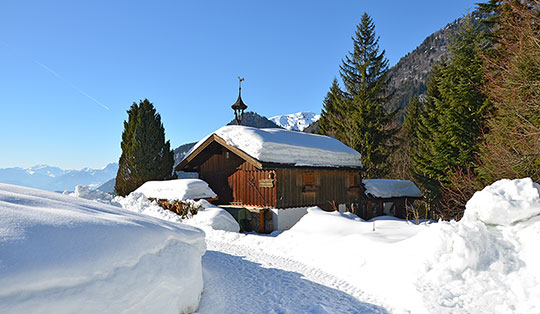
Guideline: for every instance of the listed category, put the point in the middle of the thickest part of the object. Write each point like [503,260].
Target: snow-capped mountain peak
[45,170]
[296,121]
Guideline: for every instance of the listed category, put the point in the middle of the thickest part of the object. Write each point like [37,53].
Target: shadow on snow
[235,285]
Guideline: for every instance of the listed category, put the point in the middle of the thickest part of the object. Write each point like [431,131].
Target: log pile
[184,209]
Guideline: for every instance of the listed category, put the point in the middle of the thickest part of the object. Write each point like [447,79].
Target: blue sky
[69,70]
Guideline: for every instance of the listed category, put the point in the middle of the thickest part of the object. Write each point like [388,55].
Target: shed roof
[282,147]
[387,188]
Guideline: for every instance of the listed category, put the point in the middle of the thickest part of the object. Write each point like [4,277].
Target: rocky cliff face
[410,75]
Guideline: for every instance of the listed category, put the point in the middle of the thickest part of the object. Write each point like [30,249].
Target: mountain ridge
[53,178]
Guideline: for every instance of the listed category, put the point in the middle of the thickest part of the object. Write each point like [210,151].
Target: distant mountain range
[49,178]
[296,121]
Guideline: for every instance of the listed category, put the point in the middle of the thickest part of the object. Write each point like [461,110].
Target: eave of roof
[214,138]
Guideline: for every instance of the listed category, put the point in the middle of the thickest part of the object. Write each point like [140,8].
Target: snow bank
[179,189]
[209,216]
[213,217]
[505,202]
[60,254]
[288,147]
[284,219]
[138,202]
[489,261]
[88,193]
[387,188]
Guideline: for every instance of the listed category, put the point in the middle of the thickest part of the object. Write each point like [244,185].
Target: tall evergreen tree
[453,119]
[356,116]
[145,154]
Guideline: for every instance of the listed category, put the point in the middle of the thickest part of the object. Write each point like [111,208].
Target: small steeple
[239,105]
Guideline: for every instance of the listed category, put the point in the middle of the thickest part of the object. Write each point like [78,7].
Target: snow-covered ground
[488,262]
[61,254]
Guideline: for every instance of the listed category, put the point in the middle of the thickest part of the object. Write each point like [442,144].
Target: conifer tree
[453,118]
[356,116]
[330,114]
[145,154]
[400,158]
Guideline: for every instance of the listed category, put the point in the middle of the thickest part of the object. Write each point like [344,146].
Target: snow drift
[208,216]
[60,254]
[213,217]
[489,261]
[139,203]
[88,193]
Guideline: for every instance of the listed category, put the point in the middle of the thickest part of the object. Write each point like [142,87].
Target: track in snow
[240,279]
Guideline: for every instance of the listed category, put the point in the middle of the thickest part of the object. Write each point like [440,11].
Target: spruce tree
[453,118]
[145,153]
[330,114]
[356,116]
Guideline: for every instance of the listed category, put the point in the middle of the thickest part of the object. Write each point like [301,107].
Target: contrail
[58,76]
[70,84]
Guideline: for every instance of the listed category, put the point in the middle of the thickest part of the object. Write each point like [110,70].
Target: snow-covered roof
[179,189]
[387,188]
[287,147]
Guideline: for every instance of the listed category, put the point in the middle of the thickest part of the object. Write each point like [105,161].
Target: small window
[308,178]
[227,156]
[308,182]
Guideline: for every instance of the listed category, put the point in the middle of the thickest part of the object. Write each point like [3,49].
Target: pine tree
[451,124]
[145,154]
[356,116]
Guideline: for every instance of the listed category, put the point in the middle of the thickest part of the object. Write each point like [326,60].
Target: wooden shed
[387,197]
[276,168]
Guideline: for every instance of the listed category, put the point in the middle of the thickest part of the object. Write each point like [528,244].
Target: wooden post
[261,216]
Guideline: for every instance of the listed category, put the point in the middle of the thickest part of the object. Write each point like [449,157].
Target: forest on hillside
[474,121]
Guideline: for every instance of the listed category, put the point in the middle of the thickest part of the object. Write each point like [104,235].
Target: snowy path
[243,279]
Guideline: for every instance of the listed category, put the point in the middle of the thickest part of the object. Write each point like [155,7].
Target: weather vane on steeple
[239,105]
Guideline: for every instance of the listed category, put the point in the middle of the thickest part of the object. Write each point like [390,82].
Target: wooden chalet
[276,168]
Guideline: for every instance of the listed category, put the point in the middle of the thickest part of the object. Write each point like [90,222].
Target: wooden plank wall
[216,170]
[328,186]
[245,183]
